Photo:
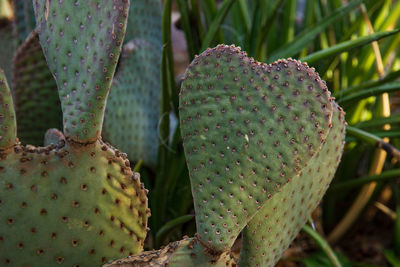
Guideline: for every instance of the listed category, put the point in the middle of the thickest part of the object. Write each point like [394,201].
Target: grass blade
[289,23]
[262,35]
[322,244]
[166,83]
[379,122]
[197,18]
[396,234]
[193,48]
[382,177]
[374,91]
[258,16]
[388,78]
[346,46]
[215,25]
[373,140]
[307,36]
[209,9]
[242,17]
[170,226]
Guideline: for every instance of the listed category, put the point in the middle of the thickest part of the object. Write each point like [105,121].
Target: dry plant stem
[379,156]
[386,210]
[375,141]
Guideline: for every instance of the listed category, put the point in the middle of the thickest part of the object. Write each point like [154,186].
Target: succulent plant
[144,22]
[76,202]
[132,112]
[7,42]
[133,108]
[138,134]
[32,84]
[24,19]
[273,228]
[35,92]
[262,143]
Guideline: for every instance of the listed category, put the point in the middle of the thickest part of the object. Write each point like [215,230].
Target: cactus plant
[132,113]
[6,41]
[35,93]
[8,129]
[75,202]
[144,22]
[277,223]
[255,136]
[24,19]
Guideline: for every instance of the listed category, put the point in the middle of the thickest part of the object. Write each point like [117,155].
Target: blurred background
[354,46]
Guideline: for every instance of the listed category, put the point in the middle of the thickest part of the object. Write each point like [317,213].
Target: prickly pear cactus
[8,127]
[248,129]
[77,31]
[35,93]
[132,113]
[250,132]
[144,22]
[262,143]
[24,19]
[76,202]
[7,43]
[272,229]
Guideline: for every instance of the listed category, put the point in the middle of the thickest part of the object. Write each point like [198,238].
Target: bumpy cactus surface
[277,223]
[262,143]
[133,113]
[35,93]
[78,31]
[248,129]
[7,44]
[8,127]
[144,22]
[75,202]
[24,19]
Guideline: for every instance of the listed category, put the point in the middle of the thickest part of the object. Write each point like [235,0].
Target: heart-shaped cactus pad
[249,129]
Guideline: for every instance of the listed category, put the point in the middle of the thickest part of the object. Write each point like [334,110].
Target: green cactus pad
[248,129]
[37,103]
[6,44]
[72,204]
[8,127]
[82,43]
[270,232]
[132,112]
[144,22]
[24,19]
[187,252]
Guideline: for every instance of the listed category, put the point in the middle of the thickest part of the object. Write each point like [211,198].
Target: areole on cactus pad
[75,202]
[262,143]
